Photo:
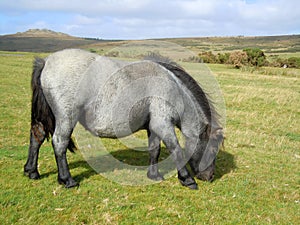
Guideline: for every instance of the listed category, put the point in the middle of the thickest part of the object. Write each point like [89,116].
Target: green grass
[257,180]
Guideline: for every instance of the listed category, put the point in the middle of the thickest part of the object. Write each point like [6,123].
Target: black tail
[41,112]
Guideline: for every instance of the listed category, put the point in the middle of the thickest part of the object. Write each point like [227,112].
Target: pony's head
[203,159]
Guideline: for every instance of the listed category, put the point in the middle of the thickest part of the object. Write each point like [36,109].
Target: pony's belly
[114,129]
[122,120]
[108,127]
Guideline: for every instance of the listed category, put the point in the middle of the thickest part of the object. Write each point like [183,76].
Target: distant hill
[43,40]
[36,40]
[41,33]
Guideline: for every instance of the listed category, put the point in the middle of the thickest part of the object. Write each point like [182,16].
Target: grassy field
[257,180]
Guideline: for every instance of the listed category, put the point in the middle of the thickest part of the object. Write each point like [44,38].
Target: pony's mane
[204,99]
[192,85]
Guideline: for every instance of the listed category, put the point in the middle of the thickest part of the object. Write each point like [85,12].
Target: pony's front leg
[168,136]
[184,175]
[60,142]
[37,137]
[154,151]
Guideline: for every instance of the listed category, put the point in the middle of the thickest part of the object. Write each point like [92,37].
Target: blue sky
[140,19]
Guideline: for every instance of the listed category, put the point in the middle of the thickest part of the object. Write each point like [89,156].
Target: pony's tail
[41,113]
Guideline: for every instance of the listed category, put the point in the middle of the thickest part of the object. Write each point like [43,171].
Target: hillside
[36,40]
[41,33]
[270,44]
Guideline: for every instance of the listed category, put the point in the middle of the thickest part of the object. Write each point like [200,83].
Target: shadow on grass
[137,158]
[88,170]
[87,173]
[225,163]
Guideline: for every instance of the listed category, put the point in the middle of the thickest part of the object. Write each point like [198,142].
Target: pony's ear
[212,149]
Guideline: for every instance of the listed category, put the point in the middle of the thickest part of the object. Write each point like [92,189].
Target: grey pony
[113,99]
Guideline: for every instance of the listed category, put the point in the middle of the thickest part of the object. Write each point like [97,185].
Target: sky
[143,19]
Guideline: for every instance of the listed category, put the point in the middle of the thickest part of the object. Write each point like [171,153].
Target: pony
[112,99]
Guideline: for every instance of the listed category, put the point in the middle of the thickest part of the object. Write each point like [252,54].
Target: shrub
[248,57]
[93,50]
[256,57]
[223,58]
[293,62]
[208,57]
[238,59]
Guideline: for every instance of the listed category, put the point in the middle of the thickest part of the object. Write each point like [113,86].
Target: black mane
[192,85]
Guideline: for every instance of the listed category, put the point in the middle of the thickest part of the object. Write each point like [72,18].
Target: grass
[257,180]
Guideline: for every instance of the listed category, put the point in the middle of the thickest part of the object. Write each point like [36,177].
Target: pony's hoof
[190,183]
[155,177]
[69,183]
[32,175]
[193,186]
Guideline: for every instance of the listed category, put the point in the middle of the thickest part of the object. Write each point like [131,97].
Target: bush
[93,50]
[223,58]
[256,57]
[208,57]
[293,62]
[248,57]
[238,59]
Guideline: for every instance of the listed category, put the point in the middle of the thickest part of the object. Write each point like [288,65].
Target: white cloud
[160,18]
[85,20]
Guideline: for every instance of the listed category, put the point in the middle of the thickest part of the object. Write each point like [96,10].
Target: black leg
[154,151]
[60,143]
[168,136]
[37,137]
[184,175]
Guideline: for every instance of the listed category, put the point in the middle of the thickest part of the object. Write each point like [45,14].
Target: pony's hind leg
[154,151]
[60,142]
[167,134]
[37,137]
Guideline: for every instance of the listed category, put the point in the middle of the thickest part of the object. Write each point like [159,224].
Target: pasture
[257,179]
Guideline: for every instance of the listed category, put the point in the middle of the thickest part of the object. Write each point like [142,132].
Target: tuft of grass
[257,177]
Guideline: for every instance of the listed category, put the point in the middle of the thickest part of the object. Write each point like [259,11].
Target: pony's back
[66,71]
